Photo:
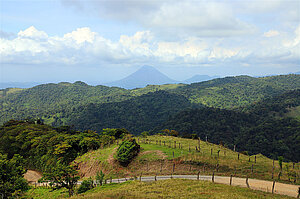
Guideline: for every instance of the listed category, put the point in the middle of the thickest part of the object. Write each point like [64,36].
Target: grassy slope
[161,189]
[150,162]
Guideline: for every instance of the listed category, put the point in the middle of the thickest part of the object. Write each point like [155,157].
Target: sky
[106,40]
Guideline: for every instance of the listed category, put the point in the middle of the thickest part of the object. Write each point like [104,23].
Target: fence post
[147,166]
[199,143]
[110,179]
[155,178]
[273,170]
[141,176]
[198,175]
[230,180]
[173,167]
[273,186]
[247,182]
[238,156]
[213,177]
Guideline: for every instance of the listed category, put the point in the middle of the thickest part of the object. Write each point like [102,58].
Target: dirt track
[262,185]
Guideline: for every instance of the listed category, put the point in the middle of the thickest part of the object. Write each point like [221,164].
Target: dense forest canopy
[42,145]
[55,99]
[252,113]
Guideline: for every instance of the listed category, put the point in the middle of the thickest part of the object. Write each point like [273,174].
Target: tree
[127,150]
[144,134]
[11,175]
[99,178]
[62,176]
[86,185]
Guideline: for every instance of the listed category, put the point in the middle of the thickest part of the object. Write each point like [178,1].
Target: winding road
[262,185]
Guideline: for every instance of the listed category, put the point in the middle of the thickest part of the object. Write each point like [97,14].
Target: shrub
[99,178]
[86,185]
[127,150]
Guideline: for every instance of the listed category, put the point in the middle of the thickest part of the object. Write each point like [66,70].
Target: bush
[127,150]
[86,185]
[99,178]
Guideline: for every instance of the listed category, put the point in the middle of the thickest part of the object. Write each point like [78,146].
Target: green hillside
[137,114]
[42,146]
[55,99]
[251,128]
[230,92]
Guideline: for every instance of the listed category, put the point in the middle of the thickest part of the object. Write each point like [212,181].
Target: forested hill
[263,127]
[230,92]
[53,101]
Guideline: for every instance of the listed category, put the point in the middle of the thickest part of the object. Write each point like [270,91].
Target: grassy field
[175,188]
[158,156]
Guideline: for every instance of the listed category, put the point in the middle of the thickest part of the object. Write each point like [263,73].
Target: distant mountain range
[199,78]
[148,75]
[4,85]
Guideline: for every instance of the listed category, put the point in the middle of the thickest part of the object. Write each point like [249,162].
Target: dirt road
[262,185]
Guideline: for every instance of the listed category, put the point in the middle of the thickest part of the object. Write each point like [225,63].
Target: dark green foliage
[42,145]
[62,104]
[85,186]
[11,175]
[232,92]
[256,129]
[217,124]
[256,123]
[62,176]
[117,133]
[144,134]
[127,150]
[99,178]
[137,114]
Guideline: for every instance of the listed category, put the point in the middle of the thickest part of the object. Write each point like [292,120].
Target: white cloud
[271,33]
[81,35]
[171,18]
[83,46]
[32,33]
